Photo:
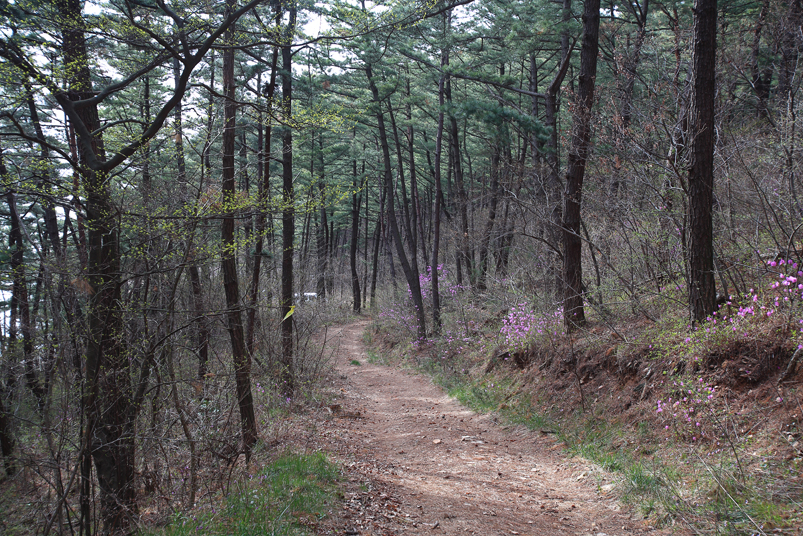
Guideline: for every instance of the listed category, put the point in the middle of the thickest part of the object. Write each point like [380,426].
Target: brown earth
[418,462]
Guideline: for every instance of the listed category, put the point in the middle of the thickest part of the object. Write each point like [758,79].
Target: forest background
[193,188]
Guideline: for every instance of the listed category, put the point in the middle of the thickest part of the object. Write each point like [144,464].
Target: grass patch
[374,358]
[475,396]
[355,363]
[288,497]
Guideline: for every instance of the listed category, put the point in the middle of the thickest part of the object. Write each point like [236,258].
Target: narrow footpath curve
[420,463]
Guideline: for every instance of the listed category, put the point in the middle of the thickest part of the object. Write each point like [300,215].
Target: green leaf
[289,313]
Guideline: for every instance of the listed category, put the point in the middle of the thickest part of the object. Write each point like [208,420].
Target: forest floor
[417,462]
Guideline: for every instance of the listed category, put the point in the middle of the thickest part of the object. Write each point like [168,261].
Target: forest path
[420,463]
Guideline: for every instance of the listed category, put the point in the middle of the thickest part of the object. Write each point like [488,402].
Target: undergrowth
[288,497]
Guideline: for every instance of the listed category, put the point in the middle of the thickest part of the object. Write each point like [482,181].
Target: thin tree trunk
[410,270]
[631,63]
[210,106]
[365,240]
[464,247]
[19,295]
[200,320]
[790,51]
[377,242]
[288,213]
[64,293]
[573,311]
[417,216]
[356,203]
[262,208]
[407,219]
[7,442]
[241,358]
[322,246]
[436,209]
[554,186]
[489,225]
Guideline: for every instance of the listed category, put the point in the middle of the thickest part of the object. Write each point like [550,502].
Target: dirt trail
[420,463]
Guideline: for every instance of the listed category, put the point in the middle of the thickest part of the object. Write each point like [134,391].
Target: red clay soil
[418,462]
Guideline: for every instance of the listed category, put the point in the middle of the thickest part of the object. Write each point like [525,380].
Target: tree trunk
[366,240]
[356,203]
[108,434]
[242,361]
[437,322]
[464,244]
[573,312]
[790,47]
[410,271]
[377,245]
[417,223]
[7,442]
[761,79]
[631,61]
[554,186]
[407,220]
[485,246]
[288,214]
[322,246]
[65,294]
[200,320]
[19,296]
[702,287]
[262,202]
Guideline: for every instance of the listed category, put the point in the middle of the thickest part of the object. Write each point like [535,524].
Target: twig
[61,500]
[279,517]
[724,426]
[577,375]
[790,368]
[735,502]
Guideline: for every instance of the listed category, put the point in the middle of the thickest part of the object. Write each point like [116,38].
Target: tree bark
[464,244]
[322,246]
[19,295]
[410,270]
[631,60]
[573,311]
[485,246]
[262,202]
[437,321]
[417,223]
[356,203]
[7,442]
[242,360]
[65,294]
[554,186]
[288,213]
[377,245]
[200,320]
[702,287]
[790,51]
[407,220]
[108,434]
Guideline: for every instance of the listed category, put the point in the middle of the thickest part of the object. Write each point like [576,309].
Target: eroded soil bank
[420,463]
